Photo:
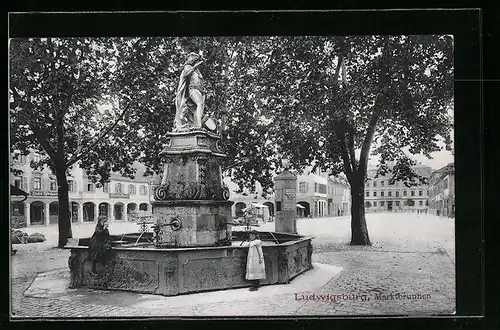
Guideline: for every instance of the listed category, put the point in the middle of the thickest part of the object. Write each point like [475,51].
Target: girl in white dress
[256,269]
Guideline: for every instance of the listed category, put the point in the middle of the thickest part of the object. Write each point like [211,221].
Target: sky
[439,160]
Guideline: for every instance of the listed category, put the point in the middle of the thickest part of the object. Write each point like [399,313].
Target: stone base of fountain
[200,223]
[140,267]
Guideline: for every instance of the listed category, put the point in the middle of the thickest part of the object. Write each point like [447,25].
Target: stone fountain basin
[135,264]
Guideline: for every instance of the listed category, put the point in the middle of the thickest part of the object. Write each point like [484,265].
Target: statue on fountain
[190,96]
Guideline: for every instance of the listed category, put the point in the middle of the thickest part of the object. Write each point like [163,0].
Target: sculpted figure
[190,95]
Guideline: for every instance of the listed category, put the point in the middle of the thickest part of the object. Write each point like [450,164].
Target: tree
[56,86]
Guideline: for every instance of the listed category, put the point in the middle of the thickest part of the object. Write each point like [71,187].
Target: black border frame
[465,25]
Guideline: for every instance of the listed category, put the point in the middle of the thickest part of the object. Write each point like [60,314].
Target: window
[315,187]
[426,203]
[382,203]
[368,204]
[381,194]
[322,188]
[367,184]
[446,183]
[405,193]
[420,193]
[374,194]
[397,203]
[105,188]
[397,194]
[131,189]
[71,186]
[143,190]
[413,192]
[118,188]
[303,187]
[36,158]
[390,193]
[90,187]
[374,184]
[53,185]
[382,183]
[420,203]
[278,206]
[37,184]
[367,194]
[375,203]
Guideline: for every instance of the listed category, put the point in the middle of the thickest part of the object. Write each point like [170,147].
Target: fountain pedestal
[191,204]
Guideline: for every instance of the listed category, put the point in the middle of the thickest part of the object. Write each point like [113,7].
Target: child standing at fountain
[99,243]
[256,269]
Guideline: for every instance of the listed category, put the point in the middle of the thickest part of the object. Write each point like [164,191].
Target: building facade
[339,196]
[318,195]
[312,193]
[442,191]
[244,199]
[120,199]
[380,196]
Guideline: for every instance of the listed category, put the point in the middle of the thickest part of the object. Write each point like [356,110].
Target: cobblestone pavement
[406,258]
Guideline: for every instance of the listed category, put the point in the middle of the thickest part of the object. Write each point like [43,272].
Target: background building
[245,198]
[380,196]
[120,199]
[442,191]
[339,196]
[318,195]
[312,193]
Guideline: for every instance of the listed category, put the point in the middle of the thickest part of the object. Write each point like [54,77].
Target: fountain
[192,247]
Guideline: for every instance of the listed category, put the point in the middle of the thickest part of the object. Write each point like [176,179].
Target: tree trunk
[359,230]
[64,223]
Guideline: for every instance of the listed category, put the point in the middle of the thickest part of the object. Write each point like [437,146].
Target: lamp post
[285,187]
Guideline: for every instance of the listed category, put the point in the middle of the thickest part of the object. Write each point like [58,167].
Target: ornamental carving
[201,141]
[309,254]
[202,171]
[191,191]
[125,275]
[283,257]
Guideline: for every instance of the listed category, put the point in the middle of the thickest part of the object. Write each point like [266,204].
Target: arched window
[118,188]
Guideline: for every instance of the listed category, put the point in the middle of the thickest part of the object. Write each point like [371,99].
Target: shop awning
[14,191]
[257,205]
[300,206]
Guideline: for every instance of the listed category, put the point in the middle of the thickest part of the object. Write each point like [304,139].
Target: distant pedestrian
[256,269]
[338,212]
[99,242]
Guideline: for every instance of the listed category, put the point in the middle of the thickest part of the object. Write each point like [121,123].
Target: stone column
[80,212]
[111,212]
[47,214]
[285,187]
[27,213]
[96,211]
[125,215]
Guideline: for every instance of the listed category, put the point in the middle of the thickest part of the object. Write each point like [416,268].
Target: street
[409,269]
